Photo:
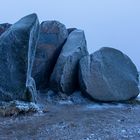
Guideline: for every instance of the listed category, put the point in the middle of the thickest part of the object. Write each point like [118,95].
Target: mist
[106,23]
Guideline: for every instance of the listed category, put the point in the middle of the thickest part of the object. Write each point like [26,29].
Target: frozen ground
[75,122]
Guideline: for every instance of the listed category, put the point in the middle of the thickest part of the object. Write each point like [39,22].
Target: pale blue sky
[112,23]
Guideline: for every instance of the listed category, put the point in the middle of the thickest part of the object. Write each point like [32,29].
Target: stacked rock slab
[108,75]
[4,27]
[51,39]
[65,74]
[17,50]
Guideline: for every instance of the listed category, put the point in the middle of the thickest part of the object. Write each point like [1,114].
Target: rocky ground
[65,121]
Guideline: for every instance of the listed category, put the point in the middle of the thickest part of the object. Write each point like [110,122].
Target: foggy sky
[107,23]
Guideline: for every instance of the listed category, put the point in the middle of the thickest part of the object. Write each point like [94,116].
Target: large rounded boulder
[51,39]
[65,74]
[108,75]
[17,51]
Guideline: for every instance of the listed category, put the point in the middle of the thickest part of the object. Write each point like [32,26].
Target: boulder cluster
[36,57]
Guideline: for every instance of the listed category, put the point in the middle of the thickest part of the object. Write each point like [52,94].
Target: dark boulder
[70,30]
[65,74]
[51,39]
[17,50]
[4,27]
[108,75]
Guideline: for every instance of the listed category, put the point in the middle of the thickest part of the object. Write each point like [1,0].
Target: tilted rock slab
[108,75]
[17,50]
[4,27]
[65,74]
[51,39]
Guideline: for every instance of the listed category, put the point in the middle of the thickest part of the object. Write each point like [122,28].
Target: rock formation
[50,56]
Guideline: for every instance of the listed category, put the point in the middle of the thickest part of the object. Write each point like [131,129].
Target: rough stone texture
[4,27]
[108,75]
[17,50]
[65,74]
[51,39]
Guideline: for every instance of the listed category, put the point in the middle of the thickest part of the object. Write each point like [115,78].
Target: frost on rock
[17,107]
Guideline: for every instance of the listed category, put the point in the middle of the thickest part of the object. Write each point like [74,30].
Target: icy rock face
[4,27]
[65,74]
[108,75]
[51,39]
[17,50]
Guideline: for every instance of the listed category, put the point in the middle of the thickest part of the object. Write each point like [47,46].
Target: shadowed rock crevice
[71,30]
